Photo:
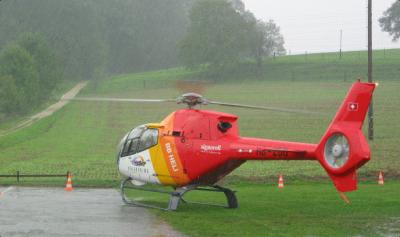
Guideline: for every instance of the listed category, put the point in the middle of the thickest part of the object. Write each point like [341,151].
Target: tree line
[91,37]
[28,74]
[45,41]
[390,21]
[222,33]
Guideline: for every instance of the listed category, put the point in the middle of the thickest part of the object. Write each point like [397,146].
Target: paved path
[50,110]
[83,212]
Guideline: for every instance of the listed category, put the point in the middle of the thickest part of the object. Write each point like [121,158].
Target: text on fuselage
[171,157]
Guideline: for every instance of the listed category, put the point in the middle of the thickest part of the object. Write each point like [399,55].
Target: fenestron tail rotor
[191,100]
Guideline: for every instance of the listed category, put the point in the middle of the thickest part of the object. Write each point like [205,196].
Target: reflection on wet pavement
[83,212]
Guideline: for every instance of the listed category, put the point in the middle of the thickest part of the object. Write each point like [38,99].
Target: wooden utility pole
[340,50]
[371,107]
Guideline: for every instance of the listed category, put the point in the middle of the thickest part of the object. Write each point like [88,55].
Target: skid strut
[176,196]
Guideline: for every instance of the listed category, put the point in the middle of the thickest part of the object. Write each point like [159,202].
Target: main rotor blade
[284,110]
[103,99]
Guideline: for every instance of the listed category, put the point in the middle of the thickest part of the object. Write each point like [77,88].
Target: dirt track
[50,110]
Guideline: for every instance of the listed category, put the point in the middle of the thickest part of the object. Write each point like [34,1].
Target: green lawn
[7,122]
[296,210]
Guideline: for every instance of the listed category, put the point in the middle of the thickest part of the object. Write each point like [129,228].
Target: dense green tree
[78,39]
[390,21]
[45,62]
[91,37]
[11,99]
[266,41]
[18,69]
[223,32]
[216,35]
[70,27]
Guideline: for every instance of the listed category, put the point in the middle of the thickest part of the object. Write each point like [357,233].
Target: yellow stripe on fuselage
[160,165]
[165,158]
[173,161]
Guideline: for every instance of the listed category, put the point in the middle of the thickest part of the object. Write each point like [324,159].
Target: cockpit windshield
[139,139]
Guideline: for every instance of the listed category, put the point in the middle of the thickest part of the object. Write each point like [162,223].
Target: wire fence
[19,175]
[333,67]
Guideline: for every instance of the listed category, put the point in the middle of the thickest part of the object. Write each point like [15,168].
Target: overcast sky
[314,25]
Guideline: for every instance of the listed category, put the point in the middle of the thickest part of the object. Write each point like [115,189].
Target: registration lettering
[273,153]
[171,157]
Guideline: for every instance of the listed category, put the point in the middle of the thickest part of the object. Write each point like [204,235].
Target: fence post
[17,176]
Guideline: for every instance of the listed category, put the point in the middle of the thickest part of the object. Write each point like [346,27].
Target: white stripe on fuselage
[137,171]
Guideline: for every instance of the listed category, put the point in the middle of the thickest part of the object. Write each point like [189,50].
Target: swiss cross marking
[352,106]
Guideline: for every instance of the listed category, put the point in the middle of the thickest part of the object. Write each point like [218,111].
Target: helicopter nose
[123,166]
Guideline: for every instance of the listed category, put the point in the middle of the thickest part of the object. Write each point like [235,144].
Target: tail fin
[344,148]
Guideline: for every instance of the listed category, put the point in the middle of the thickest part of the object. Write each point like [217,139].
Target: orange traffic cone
[68,187]
[381,181]
[280,182]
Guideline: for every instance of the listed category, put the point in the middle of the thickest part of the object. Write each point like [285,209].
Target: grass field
[7,122]
[296,210]
[82,138]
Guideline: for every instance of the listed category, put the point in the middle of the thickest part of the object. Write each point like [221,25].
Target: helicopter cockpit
[137,140]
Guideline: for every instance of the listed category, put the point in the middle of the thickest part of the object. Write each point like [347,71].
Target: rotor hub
[337,150]
[191,99]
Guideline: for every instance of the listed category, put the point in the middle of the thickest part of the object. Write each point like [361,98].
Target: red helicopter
[193,149]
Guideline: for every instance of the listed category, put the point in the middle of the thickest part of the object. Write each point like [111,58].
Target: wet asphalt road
[82,212]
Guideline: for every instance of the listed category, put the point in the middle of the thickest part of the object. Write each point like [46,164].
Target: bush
[11,99]
[19,80]
[45,62]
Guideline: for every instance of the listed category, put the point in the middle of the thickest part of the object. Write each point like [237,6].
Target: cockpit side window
[139,139]
[136,132]
[127,145]
[148,139]
[121,147]
[133,148]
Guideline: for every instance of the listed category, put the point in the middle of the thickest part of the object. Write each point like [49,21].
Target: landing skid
[177,195]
